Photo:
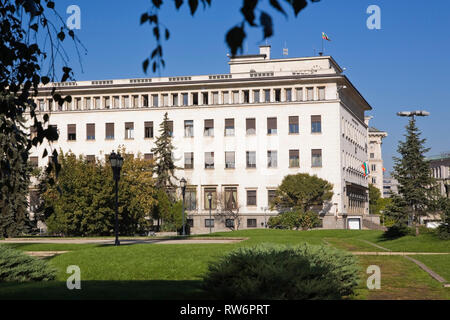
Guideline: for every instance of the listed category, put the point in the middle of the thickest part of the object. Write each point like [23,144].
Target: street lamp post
[183,192]
[209,199]
[116,161]
[413,114]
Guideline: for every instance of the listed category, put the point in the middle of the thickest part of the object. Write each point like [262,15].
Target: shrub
[443,231]
[397,231]
[295,220]
[16,266]
[283,273]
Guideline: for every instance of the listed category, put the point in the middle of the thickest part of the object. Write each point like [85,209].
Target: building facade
[440,170]
[236,135]
[376,167]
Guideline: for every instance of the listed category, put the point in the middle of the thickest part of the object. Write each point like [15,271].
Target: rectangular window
[109,128]
[191,199]
[205,98]
[316,157]
[293,125]
[250,125]
[372,155]
[170,125]
[251,223]
[34,162]
[87,103]
[251,197]
[209,160]
[126,102]
[229,223]
[209,128]
[231,198]
[145,102]
[155,100]
[195,99]
[374,167]
[188,128]
[251,159]
[135,101]
[42,105]
[271,125]
[97,103]
[267,95]
[129,130]
[165,100]
[310,94]
[272,159]
[148,129]
[215,98]
[71,132]
[213,193]
[185,99]
[189,160]
[229,127]
[256,96]
[175,99]
[321,93]
[107,103]
[246,97]
[236,97]
[77,104]
[190,222]
[148,156]
[90,131]
[226,97]
[299,94]
[270,196]
[294,158]
[316,124]
[277,95]
[288,95]
[116,103]
[229,160]
[209,223]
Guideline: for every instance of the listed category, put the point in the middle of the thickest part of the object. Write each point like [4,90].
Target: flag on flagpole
[365,168]
[325,37]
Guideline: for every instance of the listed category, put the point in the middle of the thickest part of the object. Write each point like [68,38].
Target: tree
[162,153]
[374,199]
[295,219]
[301,192]
[228,209]
[444,208]
[414,177]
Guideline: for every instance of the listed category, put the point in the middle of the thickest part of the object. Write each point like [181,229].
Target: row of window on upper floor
[208,130]
[186,99]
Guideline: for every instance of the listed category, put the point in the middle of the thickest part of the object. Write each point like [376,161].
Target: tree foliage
[374,199]
[294,220]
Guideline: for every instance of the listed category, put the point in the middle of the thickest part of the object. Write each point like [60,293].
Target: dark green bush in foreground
[283,272]
[16,266]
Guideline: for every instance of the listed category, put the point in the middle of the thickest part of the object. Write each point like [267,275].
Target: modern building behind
[236,135]
[390,186]
[376,168]
[440,170]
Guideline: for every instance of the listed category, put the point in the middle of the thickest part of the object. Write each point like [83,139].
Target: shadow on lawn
[105,290]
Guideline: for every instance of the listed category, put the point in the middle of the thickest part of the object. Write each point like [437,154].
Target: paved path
[391,253]
[125,241]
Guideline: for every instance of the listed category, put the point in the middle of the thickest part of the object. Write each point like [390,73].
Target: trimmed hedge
[283,273]
[16,266]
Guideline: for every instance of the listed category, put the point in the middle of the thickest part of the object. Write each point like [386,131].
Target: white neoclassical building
[236,135]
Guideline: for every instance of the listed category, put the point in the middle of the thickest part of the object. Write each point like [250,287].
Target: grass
[439,264]
[150,271]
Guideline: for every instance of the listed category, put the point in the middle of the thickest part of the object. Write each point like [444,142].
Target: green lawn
[152,271]
[439,264]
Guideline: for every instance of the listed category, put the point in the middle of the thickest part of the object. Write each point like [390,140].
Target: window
[374,180]
[126,102]
[251,197]
[310,94]
[321,91]
[230,198]
[109,134]
[209,160]
[148,156]
[87,103]
[190,222]
[215,98]
[205,98]
[129,130]
[226,97]
[145,100]
[229,223]
[372,155]
[250,125]
[272,159]
[293,124]
[34,162]
[170,125]
[229,127]
[251,159]
[299,94]
[271,125]
[236,97]
[213,199]
[270,196]
[251,223]
[155,100]
[316,124]
[90,158]
[209,223]
[229,160]
[71,132]
[175,99]
[209,128]
[188,128]
[294,158]
[185,99]
[90,131]
[41,105]
[267,95]
[191,199]
[116,104]
[277,95]
[106,103]
[246,96]
[374,167]
[77,104]
[316,157]
[165,100]
[189,160]
[97,103]
[288,95]
[148,129]
[195,99]
[256,98]
[135,101]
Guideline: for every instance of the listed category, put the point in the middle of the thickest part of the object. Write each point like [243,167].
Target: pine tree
[413,174]
[162,154]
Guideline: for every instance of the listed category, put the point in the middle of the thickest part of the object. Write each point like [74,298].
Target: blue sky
[403,66]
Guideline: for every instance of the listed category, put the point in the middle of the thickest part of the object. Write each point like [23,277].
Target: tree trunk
[417,229]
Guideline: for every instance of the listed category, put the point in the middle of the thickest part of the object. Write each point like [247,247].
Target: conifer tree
[413,174]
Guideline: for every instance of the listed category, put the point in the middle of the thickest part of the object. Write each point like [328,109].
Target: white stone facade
[319,116]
